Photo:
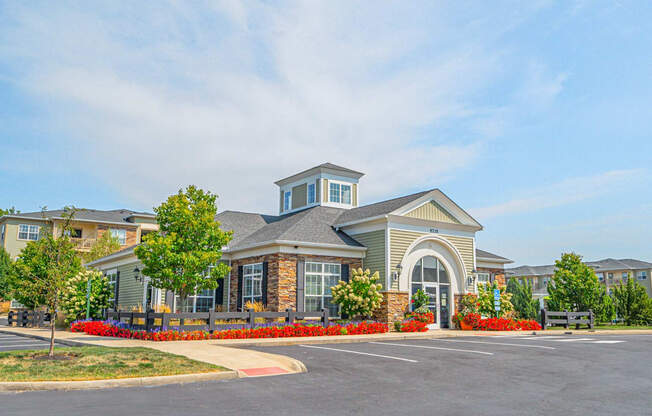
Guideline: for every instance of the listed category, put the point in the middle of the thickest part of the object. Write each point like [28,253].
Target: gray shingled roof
[116,215]
[379,208]
[604,265]
[488,255]
[312,225]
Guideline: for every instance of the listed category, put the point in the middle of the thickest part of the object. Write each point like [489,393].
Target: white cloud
[561,193]
[231,98]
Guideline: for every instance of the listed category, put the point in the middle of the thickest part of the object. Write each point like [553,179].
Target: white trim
[273,249]
[298,243]
[346,224]
[492,260]
[339,204]
[365,228]
[429,230]
[111,257]
[118,263]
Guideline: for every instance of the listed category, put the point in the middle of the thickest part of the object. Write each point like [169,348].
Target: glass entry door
[430,275]
[432,292]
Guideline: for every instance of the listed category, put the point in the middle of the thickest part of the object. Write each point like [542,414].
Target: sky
[533,116]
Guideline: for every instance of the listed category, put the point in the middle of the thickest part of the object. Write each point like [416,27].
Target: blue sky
[533,116]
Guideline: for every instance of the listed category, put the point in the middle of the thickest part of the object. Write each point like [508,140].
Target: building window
[252,280]
[2,232]
[311,193]
[600,277]
[334,192]
[641,275]
[74,233]
[28,232]
[121,235]
[624,276]
[482,279]
[202,301]
[320,277]
[610,276]
[112,277]
[340,193]
[286,201]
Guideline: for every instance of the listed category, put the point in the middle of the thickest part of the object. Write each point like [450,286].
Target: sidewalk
[247,363]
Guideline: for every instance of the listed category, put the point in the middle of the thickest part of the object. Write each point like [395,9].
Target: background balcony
[83,244]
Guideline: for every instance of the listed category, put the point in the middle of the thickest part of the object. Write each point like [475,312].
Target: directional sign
[496,294]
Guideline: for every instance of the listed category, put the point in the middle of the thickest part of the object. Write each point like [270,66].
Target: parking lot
[553,374]
[10,342]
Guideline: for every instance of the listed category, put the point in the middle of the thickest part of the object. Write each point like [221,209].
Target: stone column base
[392,308]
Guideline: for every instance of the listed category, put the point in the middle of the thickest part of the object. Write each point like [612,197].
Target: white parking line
[432,348]
[361,353]
[496,343]
[572,339]
[542,337]
[606,342]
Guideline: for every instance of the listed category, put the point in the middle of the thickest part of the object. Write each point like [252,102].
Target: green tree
[525,306]
[41,275]
[574,285]
[103,246]
[188,242]
[360,296]
[5,270]
[606,308]
[9,211]
[632,303]
[486,300]
[74,300]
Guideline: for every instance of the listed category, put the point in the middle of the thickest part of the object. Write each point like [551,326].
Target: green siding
[299,196]
[130,292]
[375,257]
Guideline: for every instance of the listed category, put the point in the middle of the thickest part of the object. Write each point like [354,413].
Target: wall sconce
[397,273]
[137,276]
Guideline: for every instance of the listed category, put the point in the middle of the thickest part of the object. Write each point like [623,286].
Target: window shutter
[219,293]
[240,283]
[325,190]
[263,283]
[280,205]
[301,279]
[344,273]
[117,290]
[317,191]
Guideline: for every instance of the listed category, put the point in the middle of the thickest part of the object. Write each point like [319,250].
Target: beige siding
[432,211]
[317,190]
[325,190]
[11,242]
[299,196]
[375,257]
[400,240]
[355,195]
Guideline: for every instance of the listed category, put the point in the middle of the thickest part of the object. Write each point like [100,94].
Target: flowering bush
[486,300]
[360,296]
[112,329]
[411,325]
[73,301]
[420,301]
[427,317]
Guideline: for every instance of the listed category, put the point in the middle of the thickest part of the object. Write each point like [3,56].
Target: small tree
[74,300]
[525,306]
[632,303]
[486,300]
[574,285]
[5,270]
[360,296]
[606,309]
[41,275]
[188,242]
[9,211]
[103,246]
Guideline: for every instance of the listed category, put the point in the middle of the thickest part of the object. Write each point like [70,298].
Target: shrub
[410,325]
[525,306]
[420,301]
[427,317]
[486,300]
[360,296]
[73,301]
[632,303]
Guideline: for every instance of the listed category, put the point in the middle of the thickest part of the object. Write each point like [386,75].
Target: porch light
[137,274]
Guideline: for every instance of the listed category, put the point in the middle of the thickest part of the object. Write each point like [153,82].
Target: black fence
[566,318]
[157,320]
[28,318]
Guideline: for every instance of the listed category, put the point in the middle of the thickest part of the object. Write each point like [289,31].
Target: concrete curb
[39,337]
[20,386]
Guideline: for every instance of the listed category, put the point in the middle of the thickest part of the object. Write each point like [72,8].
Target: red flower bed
[297,330]
[412,325]
[428,317]
[475,322]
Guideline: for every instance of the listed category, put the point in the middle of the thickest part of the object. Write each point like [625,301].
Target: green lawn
[602,327]
[96,363]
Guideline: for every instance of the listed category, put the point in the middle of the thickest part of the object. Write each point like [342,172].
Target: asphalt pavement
[552,374]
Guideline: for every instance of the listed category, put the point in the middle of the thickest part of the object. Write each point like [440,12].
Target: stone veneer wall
[393,307]
[132,233]
[281,277]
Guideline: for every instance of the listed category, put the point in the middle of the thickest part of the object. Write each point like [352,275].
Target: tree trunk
[52,319]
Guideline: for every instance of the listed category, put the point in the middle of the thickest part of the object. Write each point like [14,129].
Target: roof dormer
[327,184]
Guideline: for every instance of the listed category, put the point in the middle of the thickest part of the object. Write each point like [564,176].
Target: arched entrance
[433,264]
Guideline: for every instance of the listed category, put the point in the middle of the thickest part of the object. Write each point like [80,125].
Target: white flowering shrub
[360,296]
[73,301]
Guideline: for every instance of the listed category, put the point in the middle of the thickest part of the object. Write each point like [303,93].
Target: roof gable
[432,211]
